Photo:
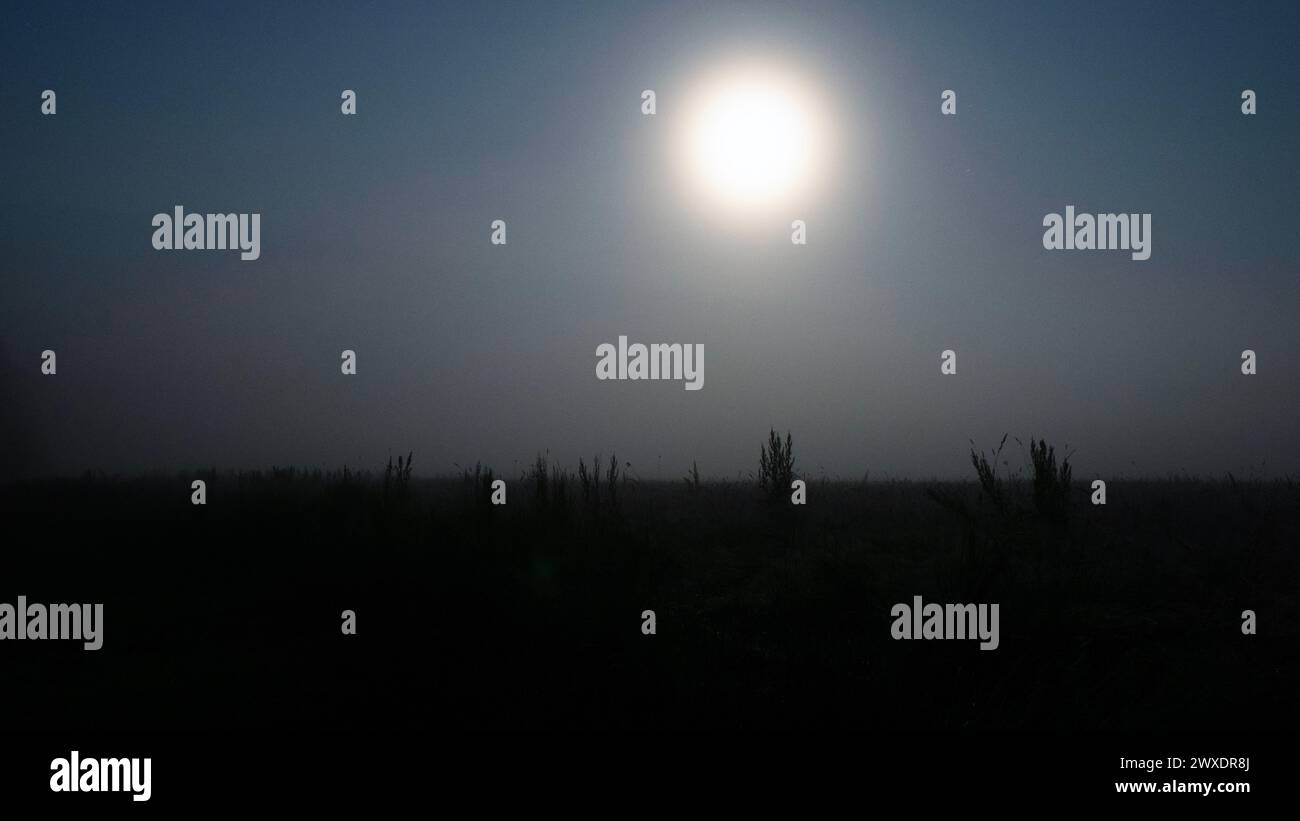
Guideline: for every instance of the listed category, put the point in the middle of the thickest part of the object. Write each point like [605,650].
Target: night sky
[925,234]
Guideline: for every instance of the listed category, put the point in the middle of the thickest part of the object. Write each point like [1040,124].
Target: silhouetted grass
[526,617]
[776,464]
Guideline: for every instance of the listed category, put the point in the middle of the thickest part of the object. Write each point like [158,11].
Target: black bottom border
[380,769]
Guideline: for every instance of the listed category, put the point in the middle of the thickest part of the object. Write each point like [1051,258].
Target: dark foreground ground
[528,617]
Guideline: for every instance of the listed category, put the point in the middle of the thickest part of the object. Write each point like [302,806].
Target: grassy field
[527,616]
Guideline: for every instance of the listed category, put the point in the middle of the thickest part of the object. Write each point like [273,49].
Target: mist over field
[924,234]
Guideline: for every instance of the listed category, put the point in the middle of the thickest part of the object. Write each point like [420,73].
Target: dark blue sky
[375,236]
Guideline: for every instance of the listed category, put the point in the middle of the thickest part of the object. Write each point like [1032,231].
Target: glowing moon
[753,137]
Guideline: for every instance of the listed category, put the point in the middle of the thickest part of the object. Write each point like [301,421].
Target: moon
[754,137]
